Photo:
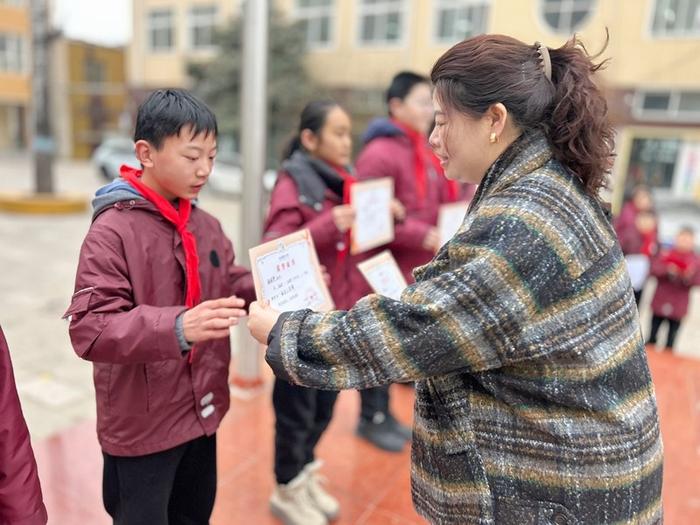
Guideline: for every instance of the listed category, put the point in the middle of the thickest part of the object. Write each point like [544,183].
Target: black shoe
[399,429]
[381,435]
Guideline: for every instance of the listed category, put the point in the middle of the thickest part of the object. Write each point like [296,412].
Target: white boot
[324,501]
[292,503]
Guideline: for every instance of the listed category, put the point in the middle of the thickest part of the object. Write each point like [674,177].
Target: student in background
[677,270]
[397,147]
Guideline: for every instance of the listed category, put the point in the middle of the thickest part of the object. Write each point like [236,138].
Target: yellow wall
[15,89]
[167,69]
[111,93]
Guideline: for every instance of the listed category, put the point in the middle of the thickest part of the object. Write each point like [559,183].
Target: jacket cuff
[166,339]
[185,346]
[273,355]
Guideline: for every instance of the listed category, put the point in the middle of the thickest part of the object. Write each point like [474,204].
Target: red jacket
[287,214]
[130,287]
[389,153]
[633,241]
[21,502]
[676,274]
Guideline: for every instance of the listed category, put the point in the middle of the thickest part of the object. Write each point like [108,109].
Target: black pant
[374,400]
[638,296]
[301,416]
[673,326]
[173,487]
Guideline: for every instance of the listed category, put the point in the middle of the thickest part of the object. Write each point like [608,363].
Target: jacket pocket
[80,303]
[128,389]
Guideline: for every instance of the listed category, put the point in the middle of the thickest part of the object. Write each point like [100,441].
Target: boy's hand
[261,321]
[212,319]
[432,240]
[398,210]
[343,217]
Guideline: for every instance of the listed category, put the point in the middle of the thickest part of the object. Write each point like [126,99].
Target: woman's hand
[261,320]
[431,242]
[343,217]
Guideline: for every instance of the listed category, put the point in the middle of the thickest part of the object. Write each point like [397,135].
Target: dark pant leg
[136,490]
[637,296]
[325,401]
[374,400]
[194,488]
[655,325]
[295,410]
[673,326]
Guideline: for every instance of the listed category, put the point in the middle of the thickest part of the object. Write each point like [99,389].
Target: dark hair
[313,117]
[570,109]
[166,111]
[687,228]
[402,84]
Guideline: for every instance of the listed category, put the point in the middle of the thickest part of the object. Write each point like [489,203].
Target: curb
[43,203]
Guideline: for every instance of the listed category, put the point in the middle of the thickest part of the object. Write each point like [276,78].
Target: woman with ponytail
[534,402]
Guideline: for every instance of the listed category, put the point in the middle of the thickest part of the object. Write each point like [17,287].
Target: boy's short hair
[687,228]
[402,84]
[166,111]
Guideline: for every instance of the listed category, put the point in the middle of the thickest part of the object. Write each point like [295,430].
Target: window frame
[150,28]
[543,9]
[316,13]
[364,10]
[441,5]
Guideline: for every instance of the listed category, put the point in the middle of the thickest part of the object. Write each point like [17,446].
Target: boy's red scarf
[422,156]
[179,218]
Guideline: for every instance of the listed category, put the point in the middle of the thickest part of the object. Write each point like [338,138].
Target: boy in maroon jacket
[677,270]
[397,147]
[155,295]
[20,493]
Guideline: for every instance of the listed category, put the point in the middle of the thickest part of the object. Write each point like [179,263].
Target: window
[566,16]
[161,35]
[316,17]
[203,26]
[460,19]
[14,3]
[94,71]
[653,162]
[668,105]
[381,22]
[11,53]
[676,18]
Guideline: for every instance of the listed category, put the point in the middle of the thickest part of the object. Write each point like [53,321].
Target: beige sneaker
[292,503]
[314,483]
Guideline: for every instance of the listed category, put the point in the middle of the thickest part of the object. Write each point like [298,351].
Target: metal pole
[43,143]
[253,150]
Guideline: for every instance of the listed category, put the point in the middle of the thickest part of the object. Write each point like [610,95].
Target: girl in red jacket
[312,192]
[677,270]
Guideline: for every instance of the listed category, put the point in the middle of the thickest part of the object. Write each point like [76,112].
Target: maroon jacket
[304,200]
[21,502]
[633,241]
[389,153]
[676,274]
[130,288]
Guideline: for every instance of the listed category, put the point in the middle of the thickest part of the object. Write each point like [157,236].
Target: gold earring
[493,138]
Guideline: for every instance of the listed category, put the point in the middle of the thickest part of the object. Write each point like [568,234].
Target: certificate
[383,275]
[638,267]
[450,218]
[374,222]
[287,274]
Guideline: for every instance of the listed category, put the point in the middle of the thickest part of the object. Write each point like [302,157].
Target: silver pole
[42,141]
[253,150]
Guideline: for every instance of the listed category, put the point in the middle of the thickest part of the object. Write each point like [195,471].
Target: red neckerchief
[179,218]
[681,260]
[418,142]
[649,243]
[348,181]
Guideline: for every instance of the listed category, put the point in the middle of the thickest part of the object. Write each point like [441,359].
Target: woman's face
[461,143]
[333,143]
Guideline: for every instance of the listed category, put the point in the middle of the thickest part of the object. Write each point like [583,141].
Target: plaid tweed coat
[534,402]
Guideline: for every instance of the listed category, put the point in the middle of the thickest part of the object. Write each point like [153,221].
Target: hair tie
[545,61]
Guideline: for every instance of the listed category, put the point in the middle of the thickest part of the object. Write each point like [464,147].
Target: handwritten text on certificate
[288,278]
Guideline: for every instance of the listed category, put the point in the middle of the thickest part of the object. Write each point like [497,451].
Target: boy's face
[685,242]
[181,167]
